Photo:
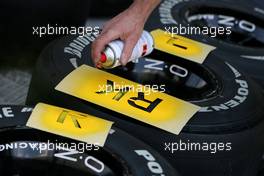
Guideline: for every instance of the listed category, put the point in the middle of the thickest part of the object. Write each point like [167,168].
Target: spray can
[111,55]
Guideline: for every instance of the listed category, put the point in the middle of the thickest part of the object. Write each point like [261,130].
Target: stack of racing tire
[225,138]
[25,151]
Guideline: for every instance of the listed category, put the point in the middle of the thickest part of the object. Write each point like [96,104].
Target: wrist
[145,7]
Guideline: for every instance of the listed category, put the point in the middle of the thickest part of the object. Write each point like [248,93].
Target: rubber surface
[232,110]
[172,13]
[121,155]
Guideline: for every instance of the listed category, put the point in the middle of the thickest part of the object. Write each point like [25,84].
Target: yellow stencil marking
[181,46]
[116,93]
[68,123]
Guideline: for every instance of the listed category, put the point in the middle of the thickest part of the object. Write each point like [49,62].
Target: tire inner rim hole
[25,161]
[181,78]
[247,30]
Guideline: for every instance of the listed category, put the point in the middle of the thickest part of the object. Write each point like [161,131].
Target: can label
[114,50]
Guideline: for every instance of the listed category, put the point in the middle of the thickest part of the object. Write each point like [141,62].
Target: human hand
[127,26]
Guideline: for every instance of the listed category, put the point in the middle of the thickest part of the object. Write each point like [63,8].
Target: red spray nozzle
[103,58]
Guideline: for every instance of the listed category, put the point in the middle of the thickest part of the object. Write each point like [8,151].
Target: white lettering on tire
[152,164]
[76,47]
[67,155]
[240,97]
